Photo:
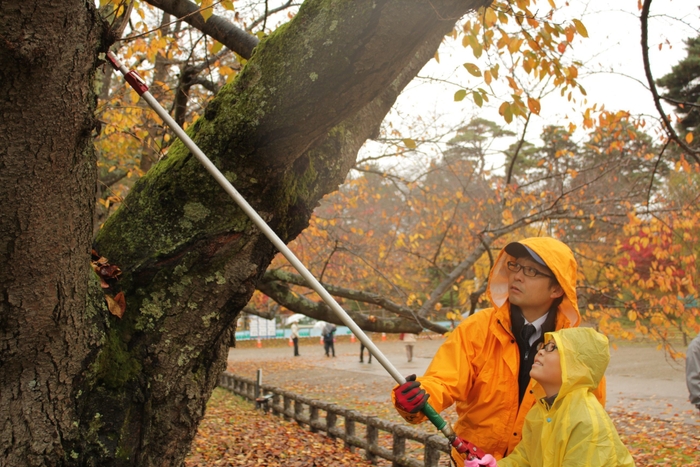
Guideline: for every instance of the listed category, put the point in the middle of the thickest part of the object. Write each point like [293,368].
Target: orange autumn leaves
[234,434]
[536,39]
[109,278]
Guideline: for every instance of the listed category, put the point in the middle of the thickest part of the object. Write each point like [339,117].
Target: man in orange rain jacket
[484,365]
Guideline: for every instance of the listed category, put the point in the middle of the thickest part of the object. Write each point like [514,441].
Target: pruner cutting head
[465,447]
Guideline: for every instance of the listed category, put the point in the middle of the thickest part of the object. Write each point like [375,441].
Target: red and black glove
[410,397]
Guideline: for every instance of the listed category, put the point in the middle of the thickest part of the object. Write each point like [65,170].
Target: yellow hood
[559,258]
[584,354]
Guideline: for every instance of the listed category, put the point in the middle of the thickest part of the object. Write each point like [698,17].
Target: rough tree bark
[48,55]
[83,387]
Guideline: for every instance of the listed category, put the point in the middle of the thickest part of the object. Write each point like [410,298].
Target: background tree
[683,90]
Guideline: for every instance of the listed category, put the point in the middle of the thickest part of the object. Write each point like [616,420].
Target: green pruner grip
[433,416]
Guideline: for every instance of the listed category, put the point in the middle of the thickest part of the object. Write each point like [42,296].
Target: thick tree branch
[446,283]
[653,173]
[360,296]
[263,314]
[476,295]
[110,178]
[217,27]
[320,311]
[652,86]
[188,78]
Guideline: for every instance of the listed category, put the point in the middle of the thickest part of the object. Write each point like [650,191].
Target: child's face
[546,369]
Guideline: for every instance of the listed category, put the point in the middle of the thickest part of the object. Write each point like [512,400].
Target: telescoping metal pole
[139,85]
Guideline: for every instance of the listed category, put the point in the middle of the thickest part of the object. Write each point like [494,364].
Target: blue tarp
[286,333]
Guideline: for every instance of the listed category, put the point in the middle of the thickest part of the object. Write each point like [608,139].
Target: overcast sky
[612,49]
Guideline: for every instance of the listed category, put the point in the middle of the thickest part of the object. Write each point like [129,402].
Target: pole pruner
[139,85]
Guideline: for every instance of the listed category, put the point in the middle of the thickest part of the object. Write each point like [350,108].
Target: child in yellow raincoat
[568,427]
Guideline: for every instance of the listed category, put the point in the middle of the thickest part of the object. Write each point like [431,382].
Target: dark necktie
[526,332]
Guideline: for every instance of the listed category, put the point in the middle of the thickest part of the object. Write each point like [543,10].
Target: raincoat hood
[559,259]
[584,355]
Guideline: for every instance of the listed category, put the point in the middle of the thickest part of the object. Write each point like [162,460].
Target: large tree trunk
[48,53]
[86,387]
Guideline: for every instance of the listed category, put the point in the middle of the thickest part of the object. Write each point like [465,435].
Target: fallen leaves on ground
[655,442]
[367,396]
[651,441]
[233,433]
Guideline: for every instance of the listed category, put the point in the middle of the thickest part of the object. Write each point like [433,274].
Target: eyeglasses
[527,270]
[550,346]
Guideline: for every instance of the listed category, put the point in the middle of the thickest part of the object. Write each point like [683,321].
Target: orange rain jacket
[476,367]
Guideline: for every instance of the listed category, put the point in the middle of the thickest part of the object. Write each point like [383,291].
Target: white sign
[260,327]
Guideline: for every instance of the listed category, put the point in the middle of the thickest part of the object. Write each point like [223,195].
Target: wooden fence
[341,423]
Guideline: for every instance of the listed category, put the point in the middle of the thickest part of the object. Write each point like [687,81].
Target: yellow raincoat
[575,431]
[476,367]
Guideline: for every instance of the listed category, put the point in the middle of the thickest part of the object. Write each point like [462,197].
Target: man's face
[532,292]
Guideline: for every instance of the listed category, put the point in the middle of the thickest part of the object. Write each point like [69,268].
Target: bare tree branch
[652,86]
[319,310]
[263,314]
[442,288]
[517,150]
[360,296]
[270,12]
[653,173]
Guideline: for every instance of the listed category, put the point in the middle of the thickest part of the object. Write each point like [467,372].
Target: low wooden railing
[342,423]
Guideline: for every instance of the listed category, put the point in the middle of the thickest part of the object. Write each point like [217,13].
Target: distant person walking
[328,339]
[692,371]
[295,338]
[410,340]
[362,352]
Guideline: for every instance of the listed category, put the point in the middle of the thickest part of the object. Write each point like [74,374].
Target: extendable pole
[139,85]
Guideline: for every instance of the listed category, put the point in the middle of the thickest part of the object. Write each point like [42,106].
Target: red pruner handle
[133,78]
[465,447]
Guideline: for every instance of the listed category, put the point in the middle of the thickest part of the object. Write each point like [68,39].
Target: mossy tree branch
[285,132]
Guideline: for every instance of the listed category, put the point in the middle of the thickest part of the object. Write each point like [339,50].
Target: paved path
[640,378]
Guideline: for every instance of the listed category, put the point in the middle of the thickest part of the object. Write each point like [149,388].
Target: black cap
[519,250]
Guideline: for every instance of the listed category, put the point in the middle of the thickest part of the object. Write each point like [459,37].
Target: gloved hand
[487,460]
[410,397]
